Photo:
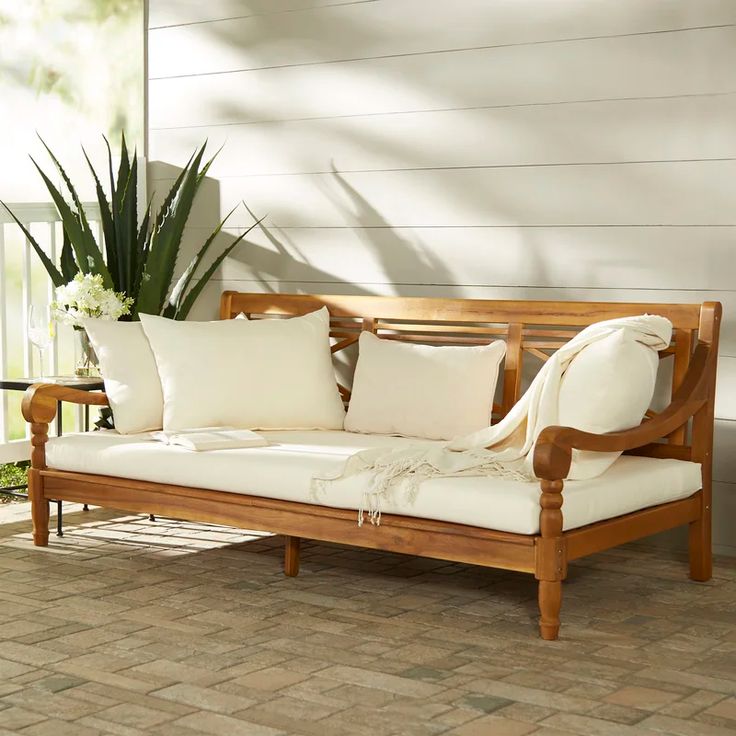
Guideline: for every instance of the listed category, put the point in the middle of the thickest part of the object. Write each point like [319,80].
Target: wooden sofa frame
[684,430]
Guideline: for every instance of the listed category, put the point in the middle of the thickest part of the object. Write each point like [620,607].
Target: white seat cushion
[284,469]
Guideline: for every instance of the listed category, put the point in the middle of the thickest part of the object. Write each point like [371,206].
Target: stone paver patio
[127,626]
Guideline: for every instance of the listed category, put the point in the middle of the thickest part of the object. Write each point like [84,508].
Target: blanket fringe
[408,473]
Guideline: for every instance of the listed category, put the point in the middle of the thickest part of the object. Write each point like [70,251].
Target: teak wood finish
[684,430]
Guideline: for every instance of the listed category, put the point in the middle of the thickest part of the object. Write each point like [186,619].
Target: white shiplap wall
[543,149]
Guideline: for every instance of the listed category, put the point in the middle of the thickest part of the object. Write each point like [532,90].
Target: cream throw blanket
[505,449]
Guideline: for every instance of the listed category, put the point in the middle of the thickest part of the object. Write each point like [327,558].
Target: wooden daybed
[683,431]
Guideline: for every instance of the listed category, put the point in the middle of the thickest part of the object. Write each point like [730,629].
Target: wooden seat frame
[683,430]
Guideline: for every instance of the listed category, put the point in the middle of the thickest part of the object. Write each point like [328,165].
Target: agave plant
[138,259]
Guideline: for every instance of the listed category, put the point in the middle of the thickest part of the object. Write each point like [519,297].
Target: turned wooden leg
[551,554]
[700,548]
[39,505]
[291,556]
[550,600]
[39,509]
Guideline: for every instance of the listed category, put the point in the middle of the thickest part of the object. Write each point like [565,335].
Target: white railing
[19,263]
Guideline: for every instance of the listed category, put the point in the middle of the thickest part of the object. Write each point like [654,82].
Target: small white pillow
[251,374]
[129,371]
[423,391]
[607,387]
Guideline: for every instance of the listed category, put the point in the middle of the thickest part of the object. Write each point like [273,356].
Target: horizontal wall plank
[206,307]
[177,12]
[586,257]
[694,62]
[372,29]
[616,131]
[684,193]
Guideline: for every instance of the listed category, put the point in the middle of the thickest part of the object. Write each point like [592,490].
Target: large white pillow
[607,387]
[421,390]
[129,370]
[259,374]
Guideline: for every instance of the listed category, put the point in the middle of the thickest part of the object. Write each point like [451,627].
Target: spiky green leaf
[129,220]
[54,274]
[95,251]
[124,168]
[182,285]
[142,245]
[188,301]
[88,254]
[113,195]
[166,239]
[69,267]
[108,229]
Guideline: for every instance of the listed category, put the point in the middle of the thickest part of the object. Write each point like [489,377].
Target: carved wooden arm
[41,399]
[39,408]
[553,451]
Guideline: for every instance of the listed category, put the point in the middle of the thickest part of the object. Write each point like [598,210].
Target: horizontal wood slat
[397,533]
[455,311]
[582,542]
[649,299]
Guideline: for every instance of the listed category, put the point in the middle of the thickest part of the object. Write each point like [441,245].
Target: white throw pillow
[253,374]
[607,387]
[129,370]
[423,391]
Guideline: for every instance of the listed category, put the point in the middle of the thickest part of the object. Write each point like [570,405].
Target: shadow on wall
[396,254]
[270,257]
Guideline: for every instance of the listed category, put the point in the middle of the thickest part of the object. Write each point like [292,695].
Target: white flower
[86,296]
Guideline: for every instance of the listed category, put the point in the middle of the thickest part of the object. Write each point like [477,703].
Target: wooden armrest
[553,451]
[40,400]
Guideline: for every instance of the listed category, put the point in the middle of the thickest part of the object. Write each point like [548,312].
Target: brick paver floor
[127,627]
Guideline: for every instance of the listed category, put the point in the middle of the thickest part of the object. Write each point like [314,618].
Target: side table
[21,384]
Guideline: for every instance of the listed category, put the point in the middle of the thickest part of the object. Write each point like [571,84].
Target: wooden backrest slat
[534,313]
[436,339]
[565,334]
[536,328]
[444,327]
[543,344]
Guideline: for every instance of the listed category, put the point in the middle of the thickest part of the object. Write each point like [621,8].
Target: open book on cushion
[211,438]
